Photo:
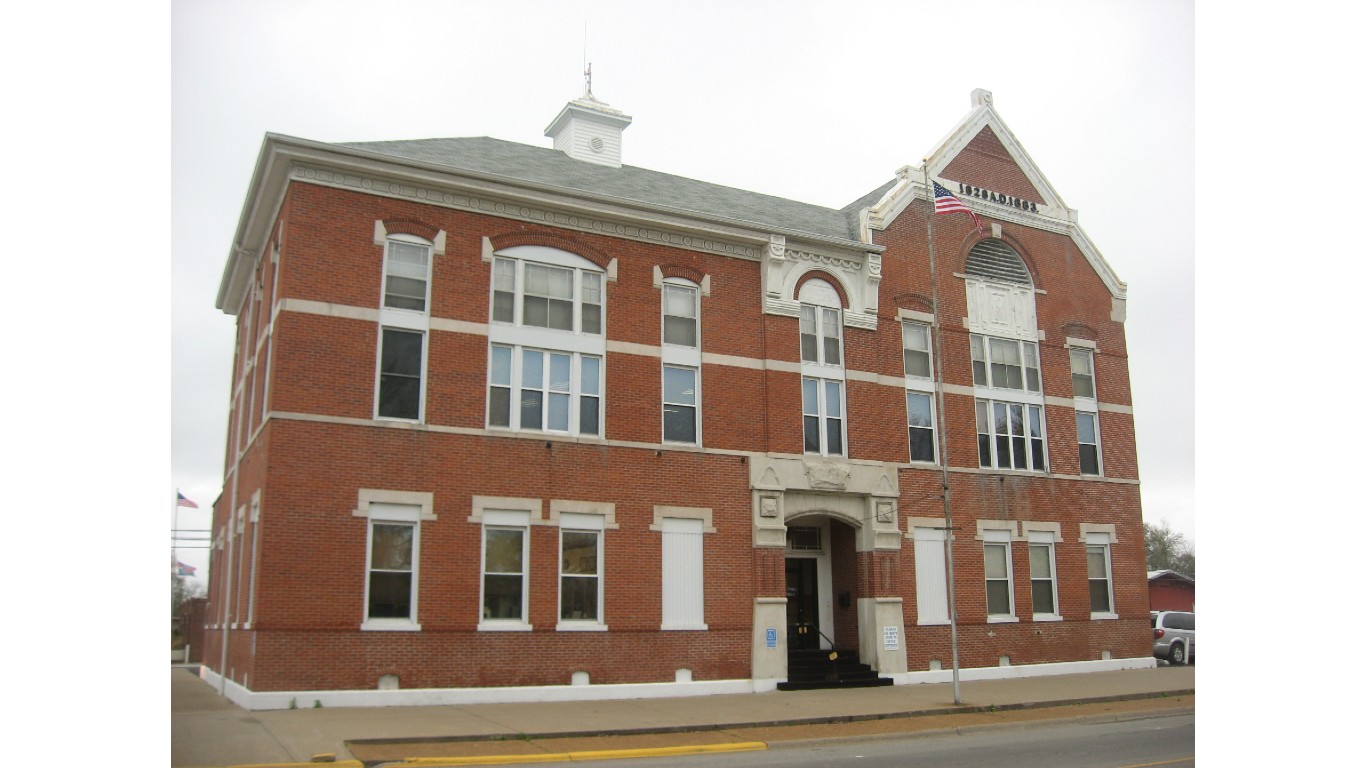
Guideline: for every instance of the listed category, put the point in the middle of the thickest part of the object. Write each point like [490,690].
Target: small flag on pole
[945,202]
[183,569]
[181,501]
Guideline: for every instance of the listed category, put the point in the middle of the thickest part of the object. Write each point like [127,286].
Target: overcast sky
[816,101]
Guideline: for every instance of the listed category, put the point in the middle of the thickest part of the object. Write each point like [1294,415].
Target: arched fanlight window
[996,261]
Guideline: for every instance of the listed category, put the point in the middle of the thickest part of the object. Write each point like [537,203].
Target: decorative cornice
[492,206]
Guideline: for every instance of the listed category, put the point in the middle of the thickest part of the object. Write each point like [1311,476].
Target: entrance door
[803,616]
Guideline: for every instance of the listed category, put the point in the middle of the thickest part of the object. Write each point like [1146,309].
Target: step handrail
[834,662]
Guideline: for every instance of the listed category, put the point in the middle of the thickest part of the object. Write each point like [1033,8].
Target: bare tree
[1168,549]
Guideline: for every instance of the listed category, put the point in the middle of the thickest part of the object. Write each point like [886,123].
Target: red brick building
[513,422]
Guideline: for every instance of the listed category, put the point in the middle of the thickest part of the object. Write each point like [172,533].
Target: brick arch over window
[916,301]
[411,227]
[510,239]
[1012,243]
[820,274]
[1078,330]
[681,271]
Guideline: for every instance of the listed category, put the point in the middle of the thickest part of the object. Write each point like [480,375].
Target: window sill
[932,624]
[503,626]
[1003,619]
[683,628]
[390,625]
[1104,616]
[580,626]
[1047,617]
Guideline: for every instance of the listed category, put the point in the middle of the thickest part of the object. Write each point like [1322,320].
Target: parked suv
[1174,636]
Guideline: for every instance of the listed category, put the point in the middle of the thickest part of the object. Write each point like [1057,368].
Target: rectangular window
[1043,588]
[680,315]
[590,302]
[1083,374]
[1005,363]
[548,298]
[406,266]
[580,566]
[400,374]
[823,416]
[1088,443]
[390,587]
[505,550]
[504,290]
[552,391]
[1098,575]
[820,332]
[681,577]
[1000,593]
[931,582]
[680,405]
[920,410]
[1010,435]
[915,343]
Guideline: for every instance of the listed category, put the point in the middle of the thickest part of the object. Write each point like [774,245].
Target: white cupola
[589,130]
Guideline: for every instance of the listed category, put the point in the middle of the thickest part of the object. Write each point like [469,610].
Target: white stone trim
[1087,528]
[1071,342]
[913,315]
[1008,526]
[683,513]
[366,496]
[482,507]
[606,511]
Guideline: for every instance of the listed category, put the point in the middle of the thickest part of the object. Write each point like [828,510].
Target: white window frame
[1101,542]
[1094,418]
[690,291]
[1086,357]
[822,324]
[821,413]
[586,280]
[695,405]
[1031,414]
[1044,540]
[981,346]
[578,392]
[390,270]
[910,328]
[504,520]
[999,539]
[393,513]
[421,376]
[931,427]
[571,522]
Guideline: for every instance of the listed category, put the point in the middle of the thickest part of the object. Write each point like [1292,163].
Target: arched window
[995,260]
[823,427]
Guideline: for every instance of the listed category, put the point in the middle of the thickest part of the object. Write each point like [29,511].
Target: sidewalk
[208,730]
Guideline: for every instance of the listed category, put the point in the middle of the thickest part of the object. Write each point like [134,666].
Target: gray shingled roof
[552,168]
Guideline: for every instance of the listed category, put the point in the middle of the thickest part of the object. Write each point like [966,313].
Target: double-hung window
[1088,443]
[392,551]
[400,373]
[682,362]
[1098,575]
[822,367]
[1083,373]
[1004,363]
[581,559]
[546,344]
[915,343]
[506,551]
[1043,585]
[999,581]
[407,272]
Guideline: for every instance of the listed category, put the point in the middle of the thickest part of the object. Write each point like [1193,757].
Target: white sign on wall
[891,638]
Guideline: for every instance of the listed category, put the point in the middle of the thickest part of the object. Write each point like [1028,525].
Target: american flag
[945,202]
[181,501]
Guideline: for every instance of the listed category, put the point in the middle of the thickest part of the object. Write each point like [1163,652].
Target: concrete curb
[830,719]
[598,754]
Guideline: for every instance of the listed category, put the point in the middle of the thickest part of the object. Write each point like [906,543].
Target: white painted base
[1024,670]
[426,697]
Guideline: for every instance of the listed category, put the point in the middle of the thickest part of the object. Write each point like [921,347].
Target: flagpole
[942,432]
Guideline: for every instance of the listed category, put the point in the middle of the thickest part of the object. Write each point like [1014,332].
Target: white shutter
[682,572]
[931,584]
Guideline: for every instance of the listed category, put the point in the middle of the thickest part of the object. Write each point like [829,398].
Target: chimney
[589,130]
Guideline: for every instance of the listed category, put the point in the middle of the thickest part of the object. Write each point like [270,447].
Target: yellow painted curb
[337,763]
[600,754]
